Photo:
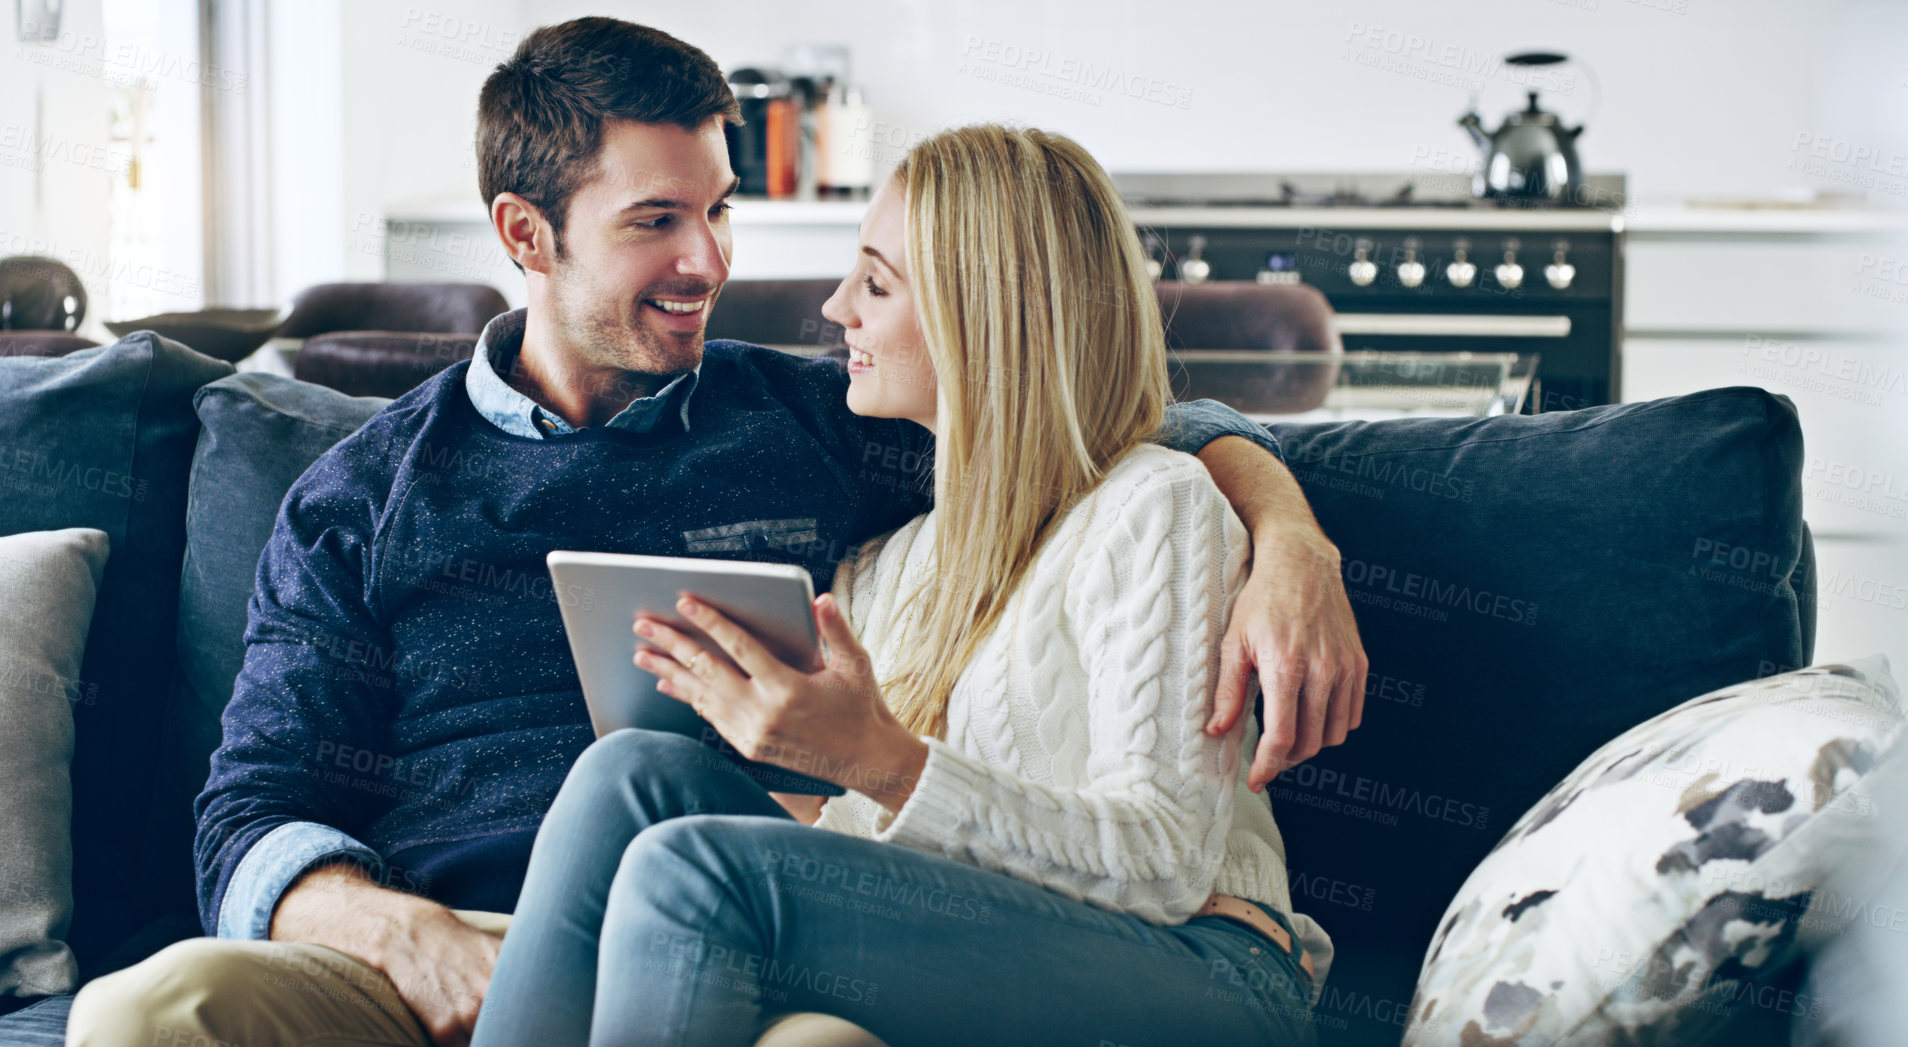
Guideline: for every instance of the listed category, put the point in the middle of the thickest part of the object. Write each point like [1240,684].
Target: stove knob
[1460,272]
[1192,268]
[1559,272]
[1411,271]
[1363,270]
[1510,275]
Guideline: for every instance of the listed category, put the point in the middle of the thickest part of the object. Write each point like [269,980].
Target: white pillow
[1670,876]
[47,583]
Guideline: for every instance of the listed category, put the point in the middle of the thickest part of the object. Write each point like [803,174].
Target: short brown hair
[540,116]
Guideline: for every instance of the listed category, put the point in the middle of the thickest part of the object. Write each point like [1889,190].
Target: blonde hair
[1040,320]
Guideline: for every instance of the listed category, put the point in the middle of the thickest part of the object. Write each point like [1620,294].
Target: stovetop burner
[1347,194]
[1440,190]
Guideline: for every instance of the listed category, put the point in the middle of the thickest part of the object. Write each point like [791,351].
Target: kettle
[1531,155]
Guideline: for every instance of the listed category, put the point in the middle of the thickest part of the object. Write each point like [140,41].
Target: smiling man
[623,258]
[365,907]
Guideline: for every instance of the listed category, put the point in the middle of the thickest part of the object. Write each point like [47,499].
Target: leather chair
[777,312]
[1242,314]
[383,339]
[378,363]
[452,308]
[40,294]
[41,343]
[1227,315]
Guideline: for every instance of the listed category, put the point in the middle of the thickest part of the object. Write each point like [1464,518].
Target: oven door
[1574,342]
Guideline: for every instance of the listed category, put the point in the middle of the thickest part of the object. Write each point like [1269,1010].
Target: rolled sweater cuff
[276,862]
[938,808]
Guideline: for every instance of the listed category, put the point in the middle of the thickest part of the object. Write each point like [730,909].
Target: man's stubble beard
[608,332]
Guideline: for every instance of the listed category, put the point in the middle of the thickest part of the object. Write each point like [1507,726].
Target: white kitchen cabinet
[1814,307]
[1840,283]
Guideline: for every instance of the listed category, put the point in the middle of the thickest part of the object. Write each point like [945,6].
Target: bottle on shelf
[846,150]
[807,133]
[752,152]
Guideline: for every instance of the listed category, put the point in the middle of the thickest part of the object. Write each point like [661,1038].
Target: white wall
[58,170]
[374,103]
[308,146]
[1708,101]
[55,169]
[1693,98]
[412,76]
[172,177]
[1704,98]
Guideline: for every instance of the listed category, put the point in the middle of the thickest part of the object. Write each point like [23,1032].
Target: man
[408,706]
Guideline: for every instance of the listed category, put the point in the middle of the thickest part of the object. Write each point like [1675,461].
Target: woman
[1042,843]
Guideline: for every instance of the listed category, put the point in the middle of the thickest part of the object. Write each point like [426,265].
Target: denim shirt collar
[518,415]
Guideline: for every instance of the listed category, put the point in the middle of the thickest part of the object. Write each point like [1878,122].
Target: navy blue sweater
[406,677]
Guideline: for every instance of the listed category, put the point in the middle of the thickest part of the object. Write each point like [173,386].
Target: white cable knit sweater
[1075,756]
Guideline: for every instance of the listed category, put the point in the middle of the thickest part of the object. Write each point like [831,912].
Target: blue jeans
[671,900]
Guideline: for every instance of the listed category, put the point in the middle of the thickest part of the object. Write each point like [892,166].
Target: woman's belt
[1250,914]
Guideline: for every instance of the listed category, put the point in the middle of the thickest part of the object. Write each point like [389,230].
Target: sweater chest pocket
[788,535]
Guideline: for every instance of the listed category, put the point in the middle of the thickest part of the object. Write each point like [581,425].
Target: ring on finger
[694,661]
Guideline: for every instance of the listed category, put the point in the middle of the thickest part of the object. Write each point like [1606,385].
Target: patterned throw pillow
[1657,889]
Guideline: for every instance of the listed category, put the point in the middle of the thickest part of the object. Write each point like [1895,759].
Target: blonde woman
[1042,843]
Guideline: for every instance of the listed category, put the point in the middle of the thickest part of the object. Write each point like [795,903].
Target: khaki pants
[212,992]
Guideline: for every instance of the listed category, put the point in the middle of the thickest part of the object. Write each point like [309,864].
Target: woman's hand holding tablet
[600,596]
[831,723]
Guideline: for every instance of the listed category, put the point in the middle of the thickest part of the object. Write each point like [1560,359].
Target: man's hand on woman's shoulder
[1293,623]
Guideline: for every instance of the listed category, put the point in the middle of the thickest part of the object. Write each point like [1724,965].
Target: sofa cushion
[56,573]
[1527,588]
[103,438]
[1674,874]
[260,433]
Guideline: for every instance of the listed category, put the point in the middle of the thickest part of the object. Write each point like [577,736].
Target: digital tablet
[600,595]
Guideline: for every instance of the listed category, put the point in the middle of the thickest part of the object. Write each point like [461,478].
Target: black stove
[1411,263]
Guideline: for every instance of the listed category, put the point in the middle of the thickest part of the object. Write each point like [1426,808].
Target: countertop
[1670,218]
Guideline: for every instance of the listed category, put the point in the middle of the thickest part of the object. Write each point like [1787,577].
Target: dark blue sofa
[1555,548]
